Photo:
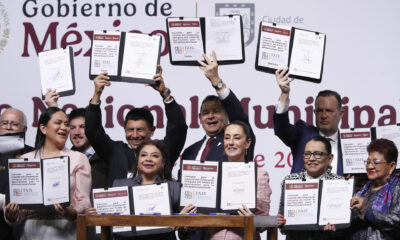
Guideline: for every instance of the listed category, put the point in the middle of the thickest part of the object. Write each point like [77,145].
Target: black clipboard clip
[202,161]
[303,178]
[181,18]
[397,124]
[104,31]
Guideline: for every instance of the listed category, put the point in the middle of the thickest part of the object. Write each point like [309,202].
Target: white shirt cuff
[224,93]
[281,108]
[170,101]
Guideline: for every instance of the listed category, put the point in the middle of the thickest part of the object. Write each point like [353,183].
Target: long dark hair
[246,131]
[44,119]
[165,173]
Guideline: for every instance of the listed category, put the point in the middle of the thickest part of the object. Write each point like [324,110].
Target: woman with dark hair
[152,167]
[237,141]
[376,207]
[50,141]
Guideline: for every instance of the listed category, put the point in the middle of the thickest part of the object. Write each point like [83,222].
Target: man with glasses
[12,120]
[328,113]
[317,159]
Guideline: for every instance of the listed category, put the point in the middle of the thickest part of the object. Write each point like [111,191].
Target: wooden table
[107,221]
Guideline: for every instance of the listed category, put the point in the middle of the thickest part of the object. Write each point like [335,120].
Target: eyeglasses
[317,154]
[5,124]
[374,162]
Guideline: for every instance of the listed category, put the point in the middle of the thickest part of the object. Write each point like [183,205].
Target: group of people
[97,161]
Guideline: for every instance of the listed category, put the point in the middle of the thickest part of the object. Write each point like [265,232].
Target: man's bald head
[12,120]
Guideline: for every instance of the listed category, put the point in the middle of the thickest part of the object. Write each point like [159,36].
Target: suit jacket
[119,156]
[235,111]
[296,137]
[174,193]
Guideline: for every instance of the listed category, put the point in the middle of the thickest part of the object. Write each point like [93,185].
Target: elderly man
[12,120]
[328,113]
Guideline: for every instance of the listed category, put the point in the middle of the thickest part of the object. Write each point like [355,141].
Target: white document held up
[55,180]
[391,132]
[224,36]
[141,55]
[25,181]
[301,202]
[185,39]
[199,183]
[336,196]
[307,54]
[274,46]
[105,52]
[11,143]
[151,199]
[112,201]
[55,70]
[238,185]
[354,149]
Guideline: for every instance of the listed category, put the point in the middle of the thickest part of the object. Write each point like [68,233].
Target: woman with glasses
[317,160]
[376,207]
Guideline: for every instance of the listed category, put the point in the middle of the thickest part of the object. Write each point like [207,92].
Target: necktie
[207,148]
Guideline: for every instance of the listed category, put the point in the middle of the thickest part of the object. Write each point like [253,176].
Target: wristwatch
[219,85]
[167,94]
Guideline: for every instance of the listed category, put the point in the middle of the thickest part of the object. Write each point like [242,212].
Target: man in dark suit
[328,113]
[139,127]
[12,120]
[215,112]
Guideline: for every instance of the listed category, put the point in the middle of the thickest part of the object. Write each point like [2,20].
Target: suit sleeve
[235,111]
[176,130]
[288,133]
[95,133]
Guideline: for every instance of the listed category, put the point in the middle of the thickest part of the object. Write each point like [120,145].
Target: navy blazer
[296,137]
[235,111]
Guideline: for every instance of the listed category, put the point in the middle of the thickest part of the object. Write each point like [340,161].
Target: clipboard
[52,75]
[218,188]
[270,61]
[204,40]
[41,206]
[121,52]
[16,146]
[317,226]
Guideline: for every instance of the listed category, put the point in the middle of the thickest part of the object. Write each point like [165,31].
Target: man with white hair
[12,120]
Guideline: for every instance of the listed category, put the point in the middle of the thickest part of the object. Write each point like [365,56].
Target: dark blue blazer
[296,137]
[235,111]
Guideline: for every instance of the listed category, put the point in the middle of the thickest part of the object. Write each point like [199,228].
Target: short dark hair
[160,145]
[246,131]
[209,98]
[385,147]
[79,112]
[140,114]
[328,93]
[324,140]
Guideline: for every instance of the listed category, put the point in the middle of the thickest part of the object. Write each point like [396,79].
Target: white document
[307,54]
[238,185]
[25,181]
[141,54]
[151,199]
[199,183]
[112,201]
[335,201]
[301,202]
[391,132]
[185,39]
[55,180]
[11,143]
[55,70]
[105,52]
[354,149]
[224,36]
[274,45]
